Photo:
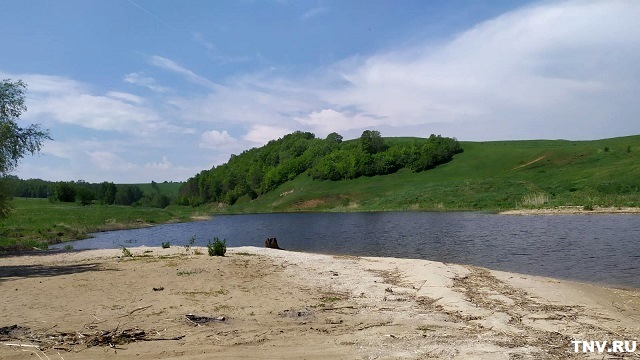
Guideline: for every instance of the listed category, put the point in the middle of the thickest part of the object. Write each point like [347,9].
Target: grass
[35,223]
[493,176]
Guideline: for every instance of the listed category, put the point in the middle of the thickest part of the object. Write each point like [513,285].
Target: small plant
[588,207]
[185,272]
[68,247]
[628,149]
[197,252]
[166,245]
[126,252]
[535,199]
[606,149]
[217,247]
[192,241]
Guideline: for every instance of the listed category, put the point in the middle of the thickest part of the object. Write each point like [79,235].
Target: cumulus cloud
[262,134]
[546,70]
[214,139]
[327,121]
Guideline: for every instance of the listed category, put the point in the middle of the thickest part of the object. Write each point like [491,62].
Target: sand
[274,304]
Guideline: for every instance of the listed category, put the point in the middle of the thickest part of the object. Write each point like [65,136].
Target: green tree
[64,191]
[334,137]
[372,142]
[15,141]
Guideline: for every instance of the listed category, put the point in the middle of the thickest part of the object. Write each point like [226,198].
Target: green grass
[38,222]
[492,176]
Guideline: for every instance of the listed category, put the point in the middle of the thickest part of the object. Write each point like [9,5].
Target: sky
[140,90]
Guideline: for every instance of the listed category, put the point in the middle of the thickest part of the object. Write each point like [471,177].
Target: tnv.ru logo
[615,346]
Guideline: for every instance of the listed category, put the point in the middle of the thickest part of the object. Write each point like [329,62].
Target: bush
[166,245]
[217,247]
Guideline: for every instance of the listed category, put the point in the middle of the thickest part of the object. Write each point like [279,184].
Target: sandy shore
[561,210]
[272,304]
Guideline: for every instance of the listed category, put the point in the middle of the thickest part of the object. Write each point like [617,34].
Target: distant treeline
[86,193]
[260,170]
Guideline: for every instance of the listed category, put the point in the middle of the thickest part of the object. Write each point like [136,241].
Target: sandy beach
[273,304]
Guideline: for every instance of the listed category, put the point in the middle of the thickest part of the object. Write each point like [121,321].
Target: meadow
[35,223]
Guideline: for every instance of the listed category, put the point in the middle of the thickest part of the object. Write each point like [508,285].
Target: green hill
[486,176]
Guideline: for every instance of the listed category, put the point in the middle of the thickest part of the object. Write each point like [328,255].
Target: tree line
[260,170]
[85,193]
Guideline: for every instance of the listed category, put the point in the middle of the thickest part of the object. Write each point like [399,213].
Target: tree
[372,142]
[64,191]
[15,142]
[334,137]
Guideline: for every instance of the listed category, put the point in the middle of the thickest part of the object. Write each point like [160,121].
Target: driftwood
[200,320]
[67,340]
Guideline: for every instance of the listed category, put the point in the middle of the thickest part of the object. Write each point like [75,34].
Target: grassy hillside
[486,176]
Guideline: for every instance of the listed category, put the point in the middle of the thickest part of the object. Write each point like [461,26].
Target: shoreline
[573,210]
[301,305]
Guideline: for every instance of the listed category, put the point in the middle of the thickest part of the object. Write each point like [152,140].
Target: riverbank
[568,210]
[266,303]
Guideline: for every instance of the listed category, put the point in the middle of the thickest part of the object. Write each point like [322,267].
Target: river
[593,248]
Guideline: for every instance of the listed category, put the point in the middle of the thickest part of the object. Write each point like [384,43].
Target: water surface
[594,248]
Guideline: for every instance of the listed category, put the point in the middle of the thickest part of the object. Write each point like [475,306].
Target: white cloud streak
[172,66]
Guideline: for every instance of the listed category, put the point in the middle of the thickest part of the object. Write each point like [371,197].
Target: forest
[259,170]
[85,193]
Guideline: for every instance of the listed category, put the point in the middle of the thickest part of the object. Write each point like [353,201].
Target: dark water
[592,248]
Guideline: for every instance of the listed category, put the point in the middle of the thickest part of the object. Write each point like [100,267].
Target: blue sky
[141,90]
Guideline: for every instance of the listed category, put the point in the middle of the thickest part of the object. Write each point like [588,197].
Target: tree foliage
[15,141]
[260,170]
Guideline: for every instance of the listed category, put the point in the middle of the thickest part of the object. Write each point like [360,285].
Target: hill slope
[486,176]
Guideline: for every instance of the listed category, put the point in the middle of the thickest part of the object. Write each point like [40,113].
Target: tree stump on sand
[271,243]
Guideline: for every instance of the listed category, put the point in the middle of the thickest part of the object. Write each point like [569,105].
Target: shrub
[126,252]
[166,245]
[217,247]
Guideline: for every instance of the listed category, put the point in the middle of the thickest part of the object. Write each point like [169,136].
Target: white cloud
[542,71]
[214,139]
[314,12]
[134,99]
[106,160]
[262,134]
[171,65]
[140,79]
[327,121]
[164,164]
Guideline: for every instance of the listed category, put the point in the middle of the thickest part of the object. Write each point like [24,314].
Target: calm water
[593,248]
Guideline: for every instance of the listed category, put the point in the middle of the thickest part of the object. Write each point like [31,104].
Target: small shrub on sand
[126,252]
[217,247]
[166,245]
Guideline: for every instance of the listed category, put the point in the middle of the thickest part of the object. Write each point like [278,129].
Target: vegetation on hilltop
[258,171]
[498,175]
[158,195]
